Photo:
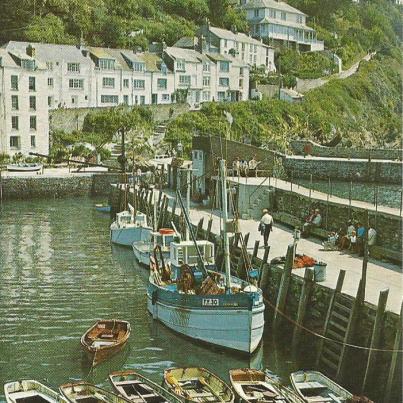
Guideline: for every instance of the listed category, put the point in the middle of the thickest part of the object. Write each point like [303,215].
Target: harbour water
[59,273]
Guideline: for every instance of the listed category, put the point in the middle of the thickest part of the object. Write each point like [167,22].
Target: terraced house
[279,23]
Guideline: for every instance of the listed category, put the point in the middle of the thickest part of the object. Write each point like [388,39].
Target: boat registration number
[210,302]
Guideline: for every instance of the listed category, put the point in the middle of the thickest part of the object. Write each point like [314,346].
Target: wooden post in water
[199,229]
[255,250]
[208,232]
[303,302]
[284,284]
[393,361]
[264,272]
[376,336]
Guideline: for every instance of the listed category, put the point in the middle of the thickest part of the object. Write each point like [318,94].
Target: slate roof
[293,24]
[278,5]
[239,37]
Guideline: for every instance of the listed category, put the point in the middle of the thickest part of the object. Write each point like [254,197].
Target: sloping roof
[152,61]
[269,20]
[187,42]
[278,5]
[6,59]
[189,55]
[239,37]
[101,53]
[218,57]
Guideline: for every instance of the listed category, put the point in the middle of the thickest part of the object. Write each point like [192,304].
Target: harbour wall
[42,186]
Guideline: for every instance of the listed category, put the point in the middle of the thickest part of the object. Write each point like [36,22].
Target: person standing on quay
[266,226]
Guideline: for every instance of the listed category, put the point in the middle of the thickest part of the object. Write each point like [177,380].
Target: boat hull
[126,236]
[237,328]
[103,209]
[22,168]
[143,256]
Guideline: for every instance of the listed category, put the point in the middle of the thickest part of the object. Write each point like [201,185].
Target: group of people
[244,167]
[352,237]
[313,219]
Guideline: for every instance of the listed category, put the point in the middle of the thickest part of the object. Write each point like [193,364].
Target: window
[139,84]
[33,142]
[126,99]
[184,80]
[162,83]
[14,83]
[256,13]
[142,99]
[165,98]
[223,82]
[73,67]
[14,142]
[221,95]
[300,19]
[50,82]
[49,66]
[106,64]
[32,122]
[224,66]
[14,102]
[241,83]
[126,83]
[28,64]
[254,59]
[109,99]
[206,67]
[241,71]
[31,83]
[255,48]
[32,103]
[206,81]
[206,95]
[74,99]
[138,66]
[76,83]
[108,82]
[50,101]
[225,43]
[180,65]
[14,122]
[272,13]
[283,15]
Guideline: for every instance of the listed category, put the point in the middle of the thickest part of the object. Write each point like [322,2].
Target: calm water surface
[59,273]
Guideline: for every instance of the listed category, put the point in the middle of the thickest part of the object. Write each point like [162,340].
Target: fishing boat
[103,208]
[252,385]
[84,392]
[105,338]
[313,386]
[24,167]
[197,299]
[144,249]
[197,385]
[31,391]
[137,388]
[130,226]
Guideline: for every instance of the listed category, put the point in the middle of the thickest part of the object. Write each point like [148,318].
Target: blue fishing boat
[129,226]
[103,208]
[195,298]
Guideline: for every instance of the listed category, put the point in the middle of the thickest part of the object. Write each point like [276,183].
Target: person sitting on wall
[360,239]
[371,238]
[236,166]
[253,167]
[312,220]
[244,167]
[345,240]
[331,243]
[353,242]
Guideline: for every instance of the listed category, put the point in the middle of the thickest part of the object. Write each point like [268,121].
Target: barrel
[320,271]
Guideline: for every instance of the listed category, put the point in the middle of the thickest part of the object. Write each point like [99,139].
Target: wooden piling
[303,302]
[393,361]
[376,335]
[255,250]
[199,229]
[264,272]
[208,232]
[284,285]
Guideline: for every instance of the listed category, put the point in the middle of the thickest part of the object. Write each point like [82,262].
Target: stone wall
[334,215]
[342,169]
[318,150]
[52,187]
[73,119]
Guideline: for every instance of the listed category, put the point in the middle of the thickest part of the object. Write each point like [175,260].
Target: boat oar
[204,382]
[176,385]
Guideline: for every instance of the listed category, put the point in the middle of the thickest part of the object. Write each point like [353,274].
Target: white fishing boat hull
[236,329]
[126,236]
[143,253]
[30,389]
[24,167]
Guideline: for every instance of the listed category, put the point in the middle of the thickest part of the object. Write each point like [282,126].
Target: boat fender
[154,297]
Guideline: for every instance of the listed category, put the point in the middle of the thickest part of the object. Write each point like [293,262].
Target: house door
[154,98]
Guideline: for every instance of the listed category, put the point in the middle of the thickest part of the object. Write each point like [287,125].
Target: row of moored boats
[191,384]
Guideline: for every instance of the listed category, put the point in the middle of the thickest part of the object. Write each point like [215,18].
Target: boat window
[169,239]
[140,218]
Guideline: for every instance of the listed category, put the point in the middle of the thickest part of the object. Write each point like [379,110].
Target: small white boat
[252,385]
[84,392]
[139,389]
[129,227]
[144,249]
[196,384]
[31,391]
[103,208]
[314,387]
[24,167]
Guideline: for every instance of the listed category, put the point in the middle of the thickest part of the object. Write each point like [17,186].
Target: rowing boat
[105,338]
[139,389]
[196,384]
[84,392]
[31,391]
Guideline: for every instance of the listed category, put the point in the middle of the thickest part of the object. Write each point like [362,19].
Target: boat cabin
[164,237]
[125,218]
[185,253]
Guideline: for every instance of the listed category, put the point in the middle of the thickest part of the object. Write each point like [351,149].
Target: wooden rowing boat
[139,389]
[84,392]
[105,338]
[252,385]
[196,384]
[314,387]
[31,391]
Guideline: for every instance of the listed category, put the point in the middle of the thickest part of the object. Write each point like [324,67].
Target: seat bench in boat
[311,385]
[30,396]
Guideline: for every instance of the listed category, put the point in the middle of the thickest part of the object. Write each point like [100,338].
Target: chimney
[234,29]
[31,51]
[202,44]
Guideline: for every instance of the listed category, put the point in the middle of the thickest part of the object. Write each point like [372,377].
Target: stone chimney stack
[31,51]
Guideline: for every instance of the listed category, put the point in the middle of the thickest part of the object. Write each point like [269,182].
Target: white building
[281,23]
[24,118]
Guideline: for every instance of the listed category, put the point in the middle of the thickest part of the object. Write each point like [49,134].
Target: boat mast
[187,200]
[223,178]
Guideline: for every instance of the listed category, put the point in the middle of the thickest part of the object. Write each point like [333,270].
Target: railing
[258,187]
